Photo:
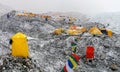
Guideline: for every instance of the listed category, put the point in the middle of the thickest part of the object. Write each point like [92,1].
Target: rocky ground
[48,52]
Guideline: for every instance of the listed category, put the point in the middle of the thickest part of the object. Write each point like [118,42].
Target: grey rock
[102,56]
[52,50]
[117,44]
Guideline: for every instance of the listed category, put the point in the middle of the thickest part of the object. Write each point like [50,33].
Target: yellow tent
[58,31]
[109,32]
[72,32]
[78,29]
[22,14]
[19,45]
[81,29]
[95,31]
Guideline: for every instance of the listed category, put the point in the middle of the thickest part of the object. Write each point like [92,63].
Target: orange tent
[73,27]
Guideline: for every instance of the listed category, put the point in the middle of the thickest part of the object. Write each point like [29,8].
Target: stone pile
[17,64]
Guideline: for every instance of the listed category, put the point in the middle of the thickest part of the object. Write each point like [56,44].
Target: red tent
[89,52]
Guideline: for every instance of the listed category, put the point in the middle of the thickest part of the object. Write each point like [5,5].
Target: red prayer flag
[65,70]
[76,56]
[90,52]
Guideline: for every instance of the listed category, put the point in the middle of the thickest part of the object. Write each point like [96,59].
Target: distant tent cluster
[76,30]
[46,17]
[27,14]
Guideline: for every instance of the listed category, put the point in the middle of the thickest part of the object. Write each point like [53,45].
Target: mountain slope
[4,9]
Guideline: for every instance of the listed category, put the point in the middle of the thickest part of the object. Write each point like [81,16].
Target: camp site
[59,36]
